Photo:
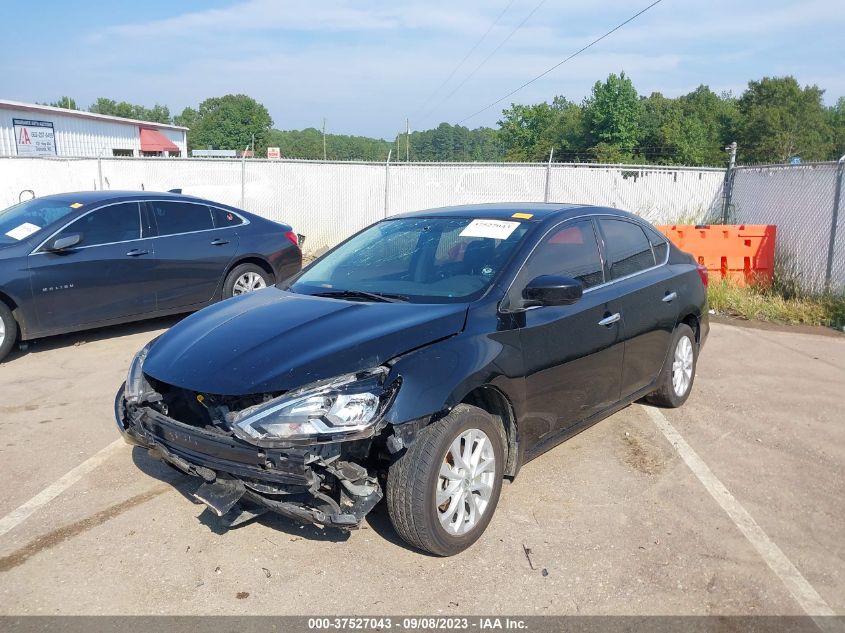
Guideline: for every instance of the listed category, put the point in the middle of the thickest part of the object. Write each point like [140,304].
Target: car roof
[538,211]
[96,197]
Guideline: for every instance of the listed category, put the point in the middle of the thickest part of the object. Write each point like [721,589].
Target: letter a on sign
[24,139]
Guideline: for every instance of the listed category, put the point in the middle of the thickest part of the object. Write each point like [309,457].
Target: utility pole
[729,182]
[324,138]
[732,149]
[407,141]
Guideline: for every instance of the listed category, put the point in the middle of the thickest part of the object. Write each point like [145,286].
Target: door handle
[610,320]
[219,242]
[137,252]
[670,297]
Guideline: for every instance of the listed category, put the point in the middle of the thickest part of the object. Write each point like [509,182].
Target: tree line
[774,120]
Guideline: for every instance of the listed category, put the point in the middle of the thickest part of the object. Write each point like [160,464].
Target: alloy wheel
[465,484]
[2,332]
[247,283]
[682,366]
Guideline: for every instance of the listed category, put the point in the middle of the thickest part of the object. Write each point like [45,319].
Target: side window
[180,217]
[570,251]
[628,249]
[224,218]
[115,223]
[659,244]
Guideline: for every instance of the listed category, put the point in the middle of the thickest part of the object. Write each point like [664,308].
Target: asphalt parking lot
[619,520]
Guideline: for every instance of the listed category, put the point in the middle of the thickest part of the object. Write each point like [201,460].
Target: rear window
[659,243]
[180,217]
[222,217]
[628,249]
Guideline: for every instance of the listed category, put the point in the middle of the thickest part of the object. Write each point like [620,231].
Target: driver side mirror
[552,290]
[64,242]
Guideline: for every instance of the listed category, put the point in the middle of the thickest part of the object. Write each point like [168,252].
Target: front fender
[437,377]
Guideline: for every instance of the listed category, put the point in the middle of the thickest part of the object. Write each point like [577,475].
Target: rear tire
[678,375]
[8,330]
[430,472]
[245,278]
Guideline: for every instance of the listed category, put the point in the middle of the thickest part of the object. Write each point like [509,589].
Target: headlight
[136,384]
[347,404]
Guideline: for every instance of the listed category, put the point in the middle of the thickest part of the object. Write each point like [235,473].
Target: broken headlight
[347,404]
[136,385]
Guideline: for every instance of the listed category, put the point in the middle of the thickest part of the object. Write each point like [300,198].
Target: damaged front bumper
[319,484]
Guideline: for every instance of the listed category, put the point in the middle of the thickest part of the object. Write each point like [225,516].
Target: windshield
[27,218]
[422,260]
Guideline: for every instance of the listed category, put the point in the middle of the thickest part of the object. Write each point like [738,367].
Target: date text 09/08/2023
[417,623]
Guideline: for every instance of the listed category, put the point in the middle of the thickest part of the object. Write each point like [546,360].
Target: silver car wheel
[247,283]
[465,483]
[2,332]
[682,366]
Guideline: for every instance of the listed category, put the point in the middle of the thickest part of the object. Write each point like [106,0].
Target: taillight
[702,272]
[292,237]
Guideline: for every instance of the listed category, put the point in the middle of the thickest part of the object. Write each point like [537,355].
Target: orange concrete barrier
[743,253]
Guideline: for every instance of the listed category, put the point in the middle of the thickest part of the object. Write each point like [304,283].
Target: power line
[561,63]
[467,56]
[486,59]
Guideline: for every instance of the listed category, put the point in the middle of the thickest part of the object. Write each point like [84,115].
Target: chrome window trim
[601,254]
[244,222]
[639,272]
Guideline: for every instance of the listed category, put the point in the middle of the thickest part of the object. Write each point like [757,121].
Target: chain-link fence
[802,201]
[327,201]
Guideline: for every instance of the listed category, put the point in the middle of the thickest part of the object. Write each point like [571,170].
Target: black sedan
[423,359]
[83,260]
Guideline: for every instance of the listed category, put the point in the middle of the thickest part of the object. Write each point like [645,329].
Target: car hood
[273,340]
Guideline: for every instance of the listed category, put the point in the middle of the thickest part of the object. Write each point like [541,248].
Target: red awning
[154,141]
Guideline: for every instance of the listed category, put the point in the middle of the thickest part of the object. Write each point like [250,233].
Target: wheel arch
[694,323]
[17,312]
[251,259]
[492,400]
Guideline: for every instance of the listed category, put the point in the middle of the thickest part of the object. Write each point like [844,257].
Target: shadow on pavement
[49,343]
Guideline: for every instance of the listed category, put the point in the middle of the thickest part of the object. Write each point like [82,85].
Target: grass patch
[776,304]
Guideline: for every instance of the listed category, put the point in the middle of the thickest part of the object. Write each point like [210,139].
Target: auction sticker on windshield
[24,230]
[494,229]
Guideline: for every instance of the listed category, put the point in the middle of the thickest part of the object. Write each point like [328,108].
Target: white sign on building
[34,138]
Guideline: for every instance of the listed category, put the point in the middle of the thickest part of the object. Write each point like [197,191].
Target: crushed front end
[309,454]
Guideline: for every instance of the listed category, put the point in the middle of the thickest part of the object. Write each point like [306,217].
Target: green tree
[69,103]
[523,130]
[779,119]
[156,114]
[613,114]
[229,122]
[836,121]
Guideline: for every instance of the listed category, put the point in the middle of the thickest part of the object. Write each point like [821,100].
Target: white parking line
[21,513]
[811,602]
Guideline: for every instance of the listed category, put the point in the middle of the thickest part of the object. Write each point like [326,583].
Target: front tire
[245,278]
[676,379]
[8,330]
[441,494]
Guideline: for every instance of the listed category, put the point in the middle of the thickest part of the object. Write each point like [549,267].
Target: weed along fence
[328,201]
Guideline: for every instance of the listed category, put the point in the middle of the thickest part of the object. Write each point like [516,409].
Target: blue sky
[366,66]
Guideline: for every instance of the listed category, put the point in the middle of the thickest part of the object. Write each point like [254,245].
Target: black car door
[107,275]
[573,353]
[646,295]
[191,253]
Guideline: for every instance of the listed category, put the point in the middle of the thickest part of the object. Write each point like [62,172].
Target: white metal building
[28,129]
